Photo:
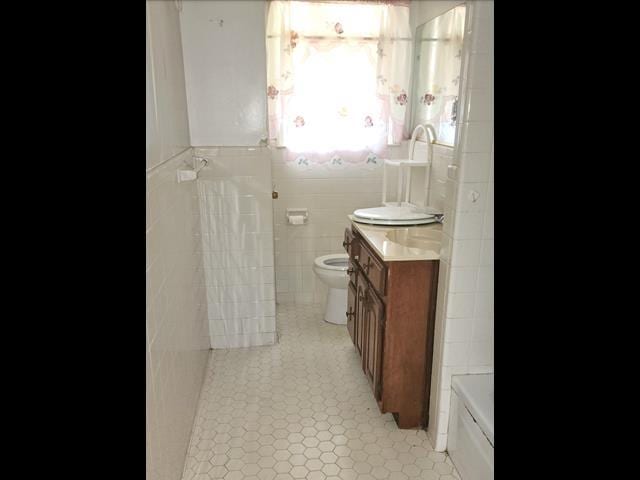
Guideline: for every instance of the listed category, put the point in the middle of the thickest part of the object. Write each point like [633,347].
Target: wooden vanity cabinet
[390,318]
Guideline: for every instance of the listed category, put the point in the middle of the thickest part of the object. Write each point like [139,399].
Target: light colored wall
[225,68]
[463,339]
[237,239]
[442,156]
[330,194]
[176,319]
[227,107]
[167,120]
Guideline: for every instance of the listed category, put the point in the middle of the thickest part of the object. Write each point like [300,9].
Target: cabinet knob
[350,270]
[349,313]
[346,244]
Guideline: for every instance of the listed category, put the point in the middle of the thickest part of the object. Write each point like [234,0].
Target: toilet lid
[392,223]
[393,213]
[399,215]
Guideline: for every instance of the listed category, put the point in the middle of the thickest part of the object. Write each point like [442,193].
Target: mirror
[436,84]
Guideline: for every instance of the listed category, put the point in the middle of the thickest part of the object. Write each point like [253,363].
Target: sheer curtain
[338,75]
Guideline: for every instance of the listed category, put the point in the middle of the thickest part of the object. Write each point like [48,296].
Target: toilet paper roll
[296,219]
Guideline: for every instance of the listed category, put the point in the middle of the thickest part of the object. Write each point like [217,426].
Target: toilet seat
[395,215]
[332,271]
[335,261]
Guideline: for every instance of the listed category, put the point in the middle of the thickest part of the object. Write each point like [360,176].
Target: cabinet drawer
[351,243]
[373,269]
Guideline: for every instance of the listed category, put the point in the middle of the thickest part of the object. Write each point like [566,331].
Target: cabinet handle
[367,265]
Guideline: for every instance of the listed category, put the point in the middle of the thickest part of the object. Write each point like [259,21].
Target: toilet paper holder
[297,216]
[190,174]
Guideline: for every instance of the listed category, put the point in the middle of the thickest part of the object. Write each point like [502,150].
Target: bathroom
[255,168]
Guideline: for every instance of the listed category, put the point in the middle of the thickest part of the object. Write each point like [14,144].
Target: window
[337,74]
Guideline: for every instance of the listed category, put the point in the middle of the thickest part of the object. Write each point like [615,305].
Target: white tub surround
[470,440]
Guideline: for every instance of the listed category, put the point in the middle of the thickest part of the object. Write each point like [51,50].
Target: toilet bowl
[332,271]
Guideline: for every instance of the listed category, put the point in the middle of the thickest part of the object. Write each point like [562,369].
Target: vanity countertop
[402,243]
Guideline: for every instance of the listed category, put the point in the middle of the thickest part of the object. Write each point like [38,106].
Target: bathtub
[470,433]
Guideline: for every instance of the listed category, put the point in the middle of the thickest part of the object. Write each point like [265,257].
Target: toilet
[332,271]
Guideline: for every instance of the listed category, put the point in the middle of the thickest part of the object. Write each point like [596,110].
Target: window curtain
[338,75]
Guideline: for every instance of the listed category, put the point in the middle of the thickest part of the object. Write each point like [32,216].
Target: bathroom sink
[424,239]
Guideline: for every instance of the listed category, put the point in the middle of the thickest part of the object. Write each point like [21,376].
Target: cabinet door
[375,334]
[369,356]
[376,315]
[352,272]
[360,318]
[351,311]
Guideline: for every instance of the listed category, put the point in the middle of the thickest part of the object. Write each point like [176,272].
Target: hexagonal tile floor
[301,409]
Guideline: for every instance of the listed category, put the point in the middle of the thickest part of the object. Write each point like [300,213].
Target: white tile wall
[237,245]
[176,318]
[330,194]
[463,341]
[177,343]
[437,191]
[167,122]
